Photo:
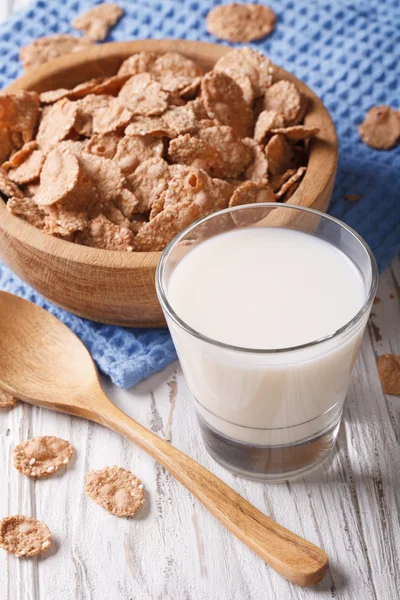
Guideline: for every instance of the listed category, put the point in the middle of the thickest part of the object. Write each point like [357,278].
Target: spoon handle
[293,557]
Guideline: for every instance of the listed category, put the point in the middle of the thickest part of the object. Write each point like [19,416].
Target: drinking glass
[269,414]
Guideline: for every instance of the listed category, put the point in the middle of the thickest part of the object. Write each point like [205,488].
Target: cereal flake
[380,128]
[241,22]
[224,102]
[389,373]
[133,150]
[49,47]
[6,399]
[143,96]
[284,98]
[115,489]
[24,536]
[96,22]
[42,456]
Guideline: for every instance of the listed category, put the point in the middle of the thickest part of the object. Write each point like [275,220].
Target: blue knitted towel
[347,51]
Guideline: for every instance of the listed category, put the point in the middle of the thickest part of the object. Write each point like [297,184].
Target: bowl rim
[323,150]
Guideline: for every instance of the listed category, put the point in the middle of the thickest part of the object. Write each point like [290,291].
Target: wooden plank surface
[174,550]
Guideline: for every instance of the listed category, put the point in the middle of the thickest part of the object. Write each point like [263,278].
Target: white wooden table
[175,550]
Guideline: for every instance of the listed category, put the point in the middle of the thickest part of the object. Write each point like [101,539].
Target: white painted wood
[174,550]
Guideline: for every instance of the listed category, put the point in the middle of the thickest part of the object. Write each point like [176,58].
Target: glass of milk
[267,304]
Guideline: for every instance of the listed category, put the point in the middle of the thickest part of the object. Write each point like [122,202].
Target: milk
[267,289]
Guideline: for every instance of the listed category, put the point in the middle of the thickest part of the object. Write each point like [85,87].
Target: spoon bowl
[44,363]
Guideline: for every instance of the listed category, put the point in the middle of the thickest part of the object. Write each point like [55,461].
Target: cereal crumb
[389,373]
[352,197]
[6,399]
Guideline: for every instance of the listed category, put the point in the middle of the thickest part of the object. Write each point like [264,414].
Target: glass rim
[162,295]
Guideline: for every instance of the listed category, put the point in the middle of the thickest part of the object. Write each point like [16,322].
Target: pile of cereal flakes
[126,162]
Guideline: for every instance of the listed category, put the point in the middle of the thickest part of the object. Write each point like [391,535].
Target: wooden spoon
[44,363]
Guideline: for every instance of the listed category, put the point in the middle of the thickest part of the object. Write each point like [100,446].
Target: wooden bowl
[118,287]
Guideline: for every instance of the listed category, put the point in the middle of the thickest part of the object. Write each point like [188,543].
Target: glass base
[269,463]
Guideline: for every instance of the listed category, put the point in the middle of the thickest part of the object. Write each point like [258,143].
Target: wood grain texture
[118,287]
[34,345]
[175,550]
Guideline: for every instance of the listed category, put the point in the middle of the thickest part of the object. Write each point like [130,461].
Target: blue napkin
[346,51]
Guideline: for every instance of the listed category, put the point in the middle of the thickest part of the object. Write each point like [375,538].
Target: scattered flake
[8,189]
[111,118]
[380,128]
[175,72]
[28,210]
[155,126]
[284,97]
[180,119]
[223,100]
[241,22]
[297,132]
[251,70]
[86,109]
[144,96]
[279,154]
[251,192]
[258,168]
[266,122]
[41,456]
[20,112]
[103,144]
[115,489]
[235,153]
[46,48]
[96,22]
[352,197]
[24,536]
[6,399]
[59,177]
[195,152]
[377,300]
[6,145]
[137,63]
[134,150]
[292,180]
[56,124]
[148,181]
[389,373]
